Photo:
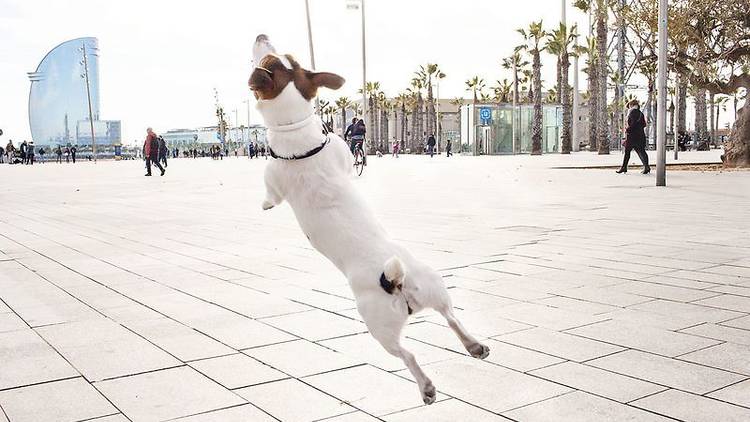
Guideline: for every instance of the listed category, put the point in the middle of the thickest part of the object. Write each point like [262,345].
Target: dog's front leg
[273,189]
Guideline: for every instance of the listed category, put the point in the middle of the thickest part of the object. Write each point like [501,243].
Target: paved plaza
[602,297]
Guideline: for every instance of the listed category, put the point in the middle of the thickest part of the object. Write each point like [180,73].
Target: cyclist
[348,133]
[358,135]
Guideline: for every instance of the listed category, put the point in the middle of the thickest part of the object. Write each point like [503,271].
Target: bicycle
[360,159]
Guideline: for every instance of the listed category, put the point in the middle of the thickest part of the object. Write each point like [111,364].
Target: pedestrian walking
[10,151]
[163,150]
[635,138]
[395,147]
[2,154]
[30,153]
[58,153]
[448,148]
[73,150]
[151,152]
[431,145]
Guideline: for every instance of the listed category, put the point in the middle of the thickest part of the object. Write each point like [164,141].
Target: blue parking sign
[485,115]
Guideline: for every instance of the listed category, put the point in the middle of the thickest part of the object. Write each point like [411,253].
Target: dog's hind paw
[267,205]
[479,351]
[429,394]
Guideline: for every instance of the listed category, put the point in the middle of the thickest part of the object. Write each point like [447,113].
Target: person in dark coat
[163,150]
[431,145]
[449,148]
[73,151]
[635,138]
[151,152]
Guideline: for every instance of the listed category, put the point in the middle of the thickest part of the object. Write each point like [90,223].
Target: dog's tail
[393,275]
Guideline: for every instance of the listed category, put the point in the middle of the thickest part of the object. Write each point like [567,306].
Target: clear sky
[161,59]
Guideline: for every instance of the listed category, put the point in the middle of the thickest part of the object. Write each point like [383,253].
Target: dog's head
[274,72]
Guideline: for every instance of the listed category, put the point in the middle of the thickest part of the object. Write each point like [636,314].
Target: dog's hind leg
[472,345]
[385,321]
[391,342]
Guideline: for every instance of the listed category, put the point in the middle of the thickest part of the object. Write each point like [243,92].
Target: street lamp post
[661,113]
[312,52]
[576,104]
[352,5]
[88,96]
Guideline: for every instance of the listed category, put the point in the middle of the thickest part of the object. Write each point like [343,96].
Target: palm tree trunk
[565,100]
[593,104]
[701,124]
[601,45]
[536,132]
[682,105]
[712,133]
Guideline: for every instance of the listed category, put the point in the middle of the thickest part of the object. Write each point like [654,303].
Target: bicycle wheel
[359,161]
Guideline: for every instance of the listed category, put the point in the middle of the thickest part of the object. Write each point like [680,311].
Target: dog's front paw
[267,205]
[479,351]
[429,394]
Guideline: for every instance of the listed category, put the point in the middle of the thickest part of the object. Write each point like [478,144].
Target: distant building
[58,101]
[190,138]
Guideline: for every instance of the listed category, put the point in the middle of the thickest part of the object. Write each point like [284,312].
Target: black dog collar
[308,154]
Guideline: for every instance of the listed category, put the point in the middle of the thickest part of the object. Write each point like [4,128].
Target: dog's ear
[326,79]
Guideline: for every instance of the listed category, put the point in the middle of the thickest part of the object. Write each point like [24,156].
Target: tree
[534,36]
[562,38]
[426,74]
[342,104]
[710,48]
[602,14]
[502,90]
[475,85]
[516,64]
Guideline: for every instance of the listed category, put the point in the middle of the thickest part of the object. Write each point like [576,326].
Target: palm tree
[562,38]
[534,36]
[372,89]
[426,74]
[475,85]
[385,109]
[516,64]
[502,91]
[602,13]
[592,71]
[417,85]
[528,77]
[400,104]
[342,104]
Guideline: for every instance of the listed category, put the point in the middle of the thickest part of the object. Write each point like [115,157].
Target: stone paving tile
[727,356]
[679,282]
[582,407]
[11,322]
[545,316]
[26,359]
[730,302]
[668,372]
[742,322]
[237,331]
[238,370]
[352,417]
[737,393]
[316,325]
[243,413]
[559,344]
[301,358]
[365,348]
[445,411]
[383,392]
[518,358]
[660,291]
[696,312]
[692,408]
[103,349]
[113,418]
[638,336]
[577,305]
[489,386]
[606,296]
[720,332]
[291,400]
[173,393]
[179,340]
[66,400]
[597,381]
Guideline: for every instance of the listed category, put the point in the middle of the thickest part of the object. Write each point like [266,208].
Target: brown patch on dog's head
[272,76]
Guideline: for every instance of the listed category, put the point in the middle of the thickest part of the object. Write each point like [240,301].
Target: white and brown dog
[312,172]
